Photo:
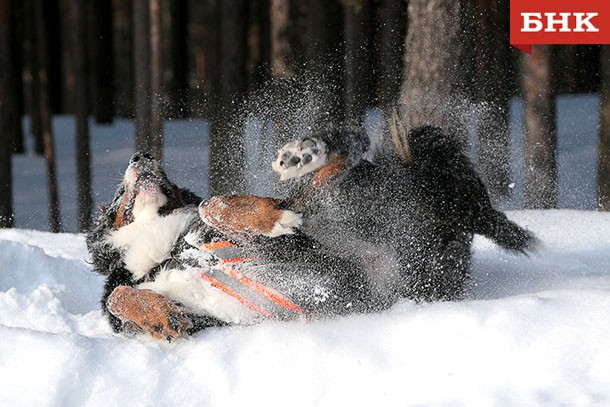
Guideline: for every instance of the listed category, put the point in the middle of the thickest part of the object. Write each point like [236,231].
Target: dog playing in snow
[352,236]
[407,220]
[170,274]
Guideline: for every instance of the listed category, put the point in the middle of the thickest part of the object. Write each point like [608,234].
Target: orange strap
[267,292]
[261,289]
[240,298]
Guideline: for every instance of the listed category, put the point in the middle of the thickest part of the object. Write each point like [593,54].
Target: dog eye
[148,156]
[135,158]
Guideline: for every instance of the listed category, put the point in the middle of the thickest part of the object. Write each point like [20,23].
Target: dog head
[145,189]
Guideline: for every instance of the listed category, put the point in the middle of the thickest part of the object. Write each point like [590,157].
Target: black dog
[170,274]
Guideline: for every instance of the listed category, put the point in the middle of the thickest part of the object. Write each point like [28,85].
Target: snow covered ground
[534,331]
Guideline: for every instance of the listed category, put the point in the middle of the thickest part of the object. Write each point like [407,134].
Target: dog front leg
[238,216]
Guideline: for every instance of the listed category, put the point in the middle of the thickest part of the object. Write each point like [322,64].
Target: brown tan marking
[150,311]
[335,166]
[235,215]
[120,220]
[323,176]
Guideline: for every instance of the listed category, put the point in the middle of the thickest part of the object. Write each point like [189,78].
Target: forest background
[158,60]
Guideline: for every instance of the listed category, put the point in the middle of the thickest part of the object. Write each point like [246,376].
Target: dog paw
[300,157]
[151,312]
[286,224]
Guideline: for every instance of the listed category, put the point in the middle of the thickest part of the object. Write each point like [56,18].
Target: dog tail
[507,234]
[452,188]
[400,139]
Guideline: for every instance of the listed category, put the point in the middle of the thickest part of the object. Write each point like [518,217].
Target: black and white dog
[352,236]
[171,274]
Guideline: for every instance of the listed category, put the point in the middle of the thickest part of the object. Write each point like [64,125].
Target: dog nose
[137,156]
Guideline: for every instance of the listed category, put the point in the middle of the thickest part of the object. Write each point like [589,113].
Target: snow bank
[535,332]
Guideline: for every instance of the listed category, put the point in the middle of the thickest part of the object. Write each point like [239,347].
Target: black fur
[419,216]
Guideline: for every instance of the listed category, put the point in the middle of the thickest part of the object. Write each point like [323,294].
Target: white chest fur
[149,239]
[190,289]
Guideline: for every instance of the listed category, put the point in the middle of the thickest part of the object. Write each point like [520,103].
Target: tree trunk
[438,64]
[32,41]
[7,123]
[156,72]
[493,92]
[177,86]
[44,112]
[148,77]
[540,147]
[203,43]
[142,85]
[287,22]
[83,159]
[101,57]
[226,138]
[259,44]
[324,52]
[123,61]
[603,161]
[16,64]
[359,65]
[53,43]
[393,18]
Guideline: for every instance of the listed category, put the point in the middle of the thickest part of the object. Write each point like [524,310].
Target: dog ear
[400,138]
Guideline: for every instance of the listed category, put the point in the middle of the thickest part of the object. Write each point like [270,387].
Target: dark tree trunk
[324,52]
[53,43]
[177,86]
[226,138]
[142,85]
[83,159]
[43,105]
[101,57]
[123,61]
[438,63]
[16,65]
[603,167]
[259,43]
[493,92]
[359,65]
[156,72]
[7,116]
[32,40]
[148,77]
[287,22]
[393,19]
[203,57]
[540,148]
